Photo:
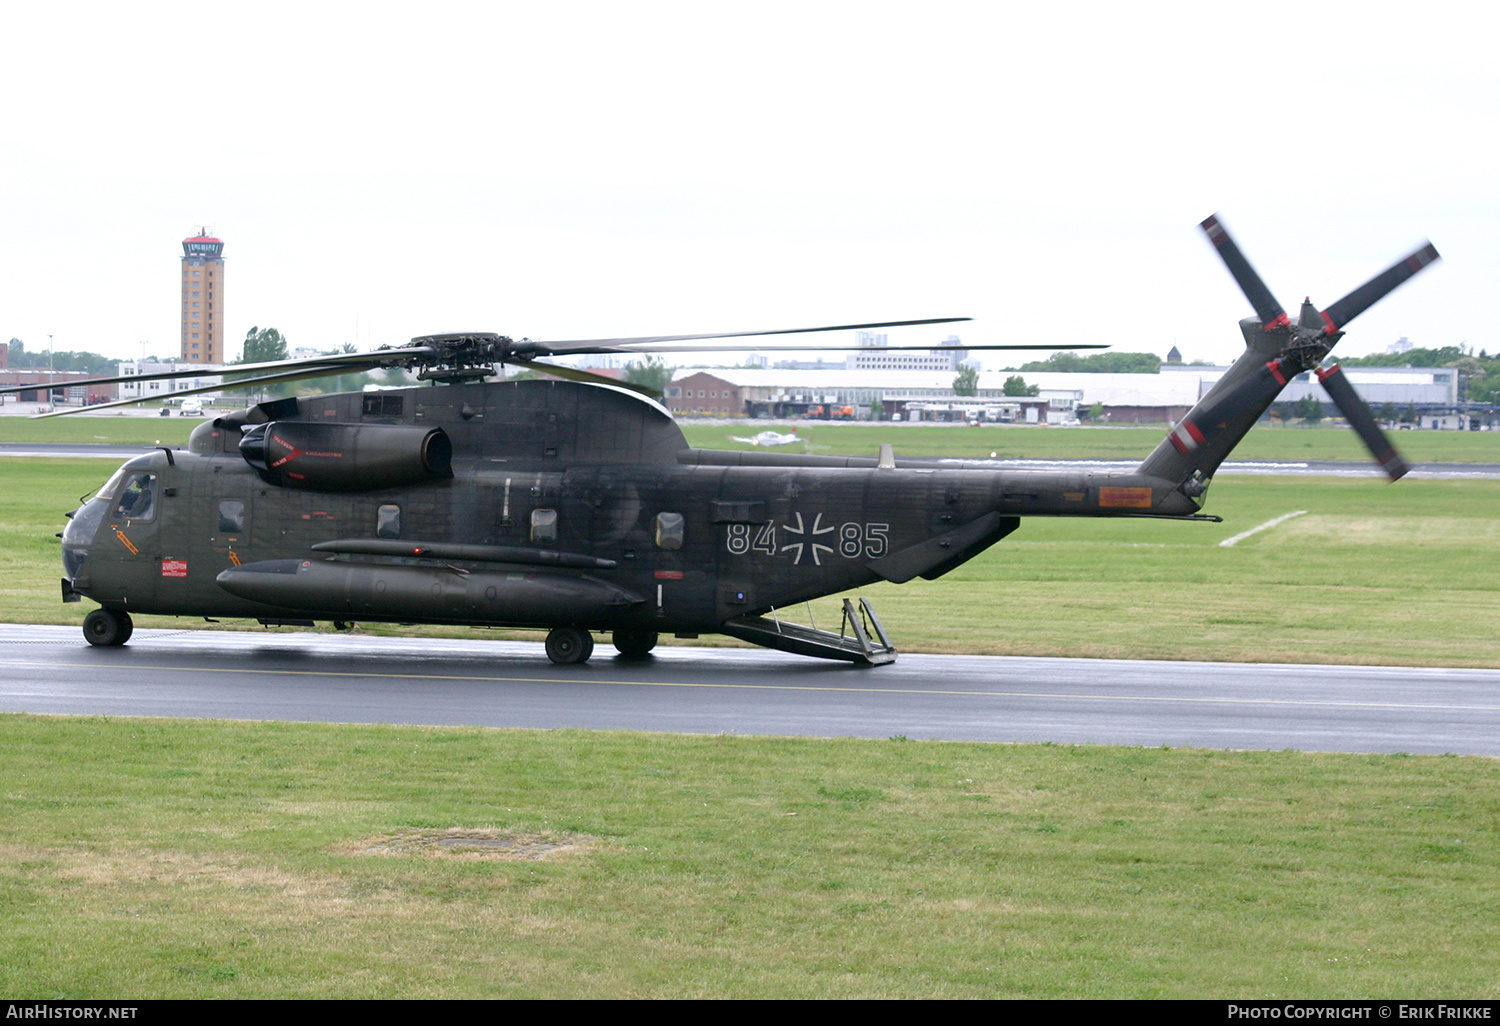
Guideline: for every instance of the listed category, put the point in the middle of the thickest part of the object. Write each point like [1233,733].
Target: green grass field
[100,428]
[953,441]
[1114,443]
[192,859]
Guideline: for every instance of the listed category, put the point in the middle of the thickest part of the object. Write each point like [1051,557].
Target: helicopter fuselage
[548,503]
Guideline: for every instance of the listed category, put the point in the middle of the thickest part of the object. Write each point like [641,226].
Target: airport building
[912,394]
[874,354]
[163,388]
[1399,386]
[59,383]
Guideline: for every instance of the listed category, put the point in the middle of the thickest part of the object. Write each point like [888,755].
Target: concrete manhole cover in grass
[463,843]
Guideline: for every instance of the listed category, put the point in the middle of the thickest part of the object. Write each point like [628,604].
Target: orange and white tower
[202,299]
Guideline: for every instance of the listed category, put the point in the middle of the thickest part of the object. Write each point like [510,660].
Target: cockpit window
[112,486]
[137,500]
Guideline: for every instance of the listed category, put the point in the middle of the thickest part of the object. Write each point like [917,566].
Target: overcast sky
[579,170]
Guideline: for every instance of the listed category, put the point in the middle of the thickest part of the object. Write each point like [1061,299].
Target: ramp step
[861,639]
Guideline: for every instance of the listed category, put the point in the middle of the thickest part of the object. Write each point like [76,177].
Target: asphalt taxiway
[351,678]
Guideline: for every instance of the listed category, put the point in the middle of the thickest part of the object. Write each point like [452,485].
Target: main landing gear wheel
[635,644]
[107,627]
[568,645]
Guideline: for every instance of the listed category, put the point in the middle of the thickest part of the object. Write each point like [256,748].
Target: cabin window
[374,404]
[231,516]
[388,522]
[138,497]
[543,525]
[669,528]
[726,511]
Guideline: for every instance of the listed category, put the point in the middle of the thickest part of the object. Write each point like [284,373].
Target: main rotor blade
[574,374]
[1266,307]
[1376,289]
[268,379]
[1362,419]
[648,348]
[334,364]
[584,345]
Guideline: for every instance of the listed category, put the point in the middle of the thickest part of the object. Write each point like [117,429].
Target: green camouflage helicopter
[576,505]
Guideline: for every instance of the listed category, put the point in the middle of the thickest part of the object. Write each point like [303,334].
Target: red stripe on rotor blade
[1324,373]
[1422,257]
[1280,322]
[1179,444]
[1275,368]
[1192,429]
[1328,324]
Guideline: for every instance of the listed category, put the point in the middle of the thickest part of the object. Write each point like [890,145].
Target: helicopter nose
[78,535]
[73,553]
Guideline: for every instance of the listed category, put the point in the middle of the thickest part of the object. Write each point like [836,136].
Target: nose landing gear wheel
[107,627]
[568,645]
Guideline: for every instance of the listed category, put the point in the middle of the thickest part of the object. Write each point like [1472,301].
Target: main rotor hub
[463,356]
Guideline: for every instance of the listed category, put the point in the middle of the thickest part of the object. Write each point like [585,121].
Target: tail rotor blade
[1362,419]
[1376,289]
[1267,309]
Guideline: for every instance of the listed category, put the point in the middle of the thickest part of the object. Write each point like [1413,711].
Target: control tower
[202,299]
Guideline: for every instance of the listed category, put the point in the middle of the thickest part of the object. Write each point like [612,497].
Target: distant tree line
[62,360]
[267,345]
[650,371]
[1097,363]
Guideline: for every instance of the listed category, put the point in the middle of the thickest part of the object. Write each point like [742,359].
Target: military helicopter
[575,505]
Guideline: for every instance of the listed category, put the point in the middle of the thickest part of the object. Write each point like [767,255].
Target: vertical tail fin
[1198,443]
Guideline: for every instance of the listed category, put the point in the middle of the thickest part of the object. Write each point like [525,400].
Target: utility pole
[50,405]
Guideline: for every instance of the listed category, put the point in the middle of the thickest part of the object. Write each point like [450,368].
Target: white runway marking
[1229,542]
